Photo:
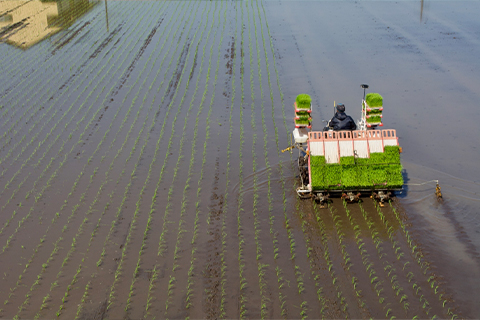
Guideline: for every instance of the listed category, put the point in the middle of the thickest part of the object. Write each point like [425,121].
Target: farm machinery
[348,164]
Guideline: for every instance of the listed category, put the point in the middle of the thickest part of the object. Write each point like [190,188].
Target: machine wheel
[322,199]
[351,197]
[381,197]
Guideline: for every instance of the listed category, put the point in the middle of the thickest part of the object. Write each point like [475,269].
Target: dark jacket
[341,121]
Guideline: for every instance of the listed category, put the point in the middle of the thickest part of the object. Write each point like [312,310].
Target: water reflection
[106,15]
[423,9]
[24,23]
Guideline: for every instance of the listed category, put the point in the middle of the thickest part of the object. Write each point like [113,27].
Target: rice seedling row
[273,235]
[37,281]
[37,197]
[290,237]
[64,227]
[31,57]
[91,206]
[369,266]
[190,276]
[18,283]
[118,211]
[51,55]
[162,239]
[388,265]
[415,252]
[242,258]
[279,274]
[314,270]
[34,107]
[33,139]
[111,298]
[410,276]
[339,296]
[57,214]
[223,268]
[133,101]
[79,310]
[32,115]
[106,179]
[181,229]
[35,81]
[10,199]
[67,258]
[43,189]
[261,266]
[41,143]
[278,271]
[390,273]
[338,223]
[27,67]
[241,239]
[31,79]
[399,254]
[42,240]
[99,262]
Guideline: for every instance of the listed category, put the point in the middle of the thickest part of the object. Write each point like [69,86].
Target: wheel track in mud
[212,272]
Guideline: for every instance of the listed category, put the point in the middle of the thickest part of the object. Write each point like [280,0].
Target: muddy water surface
[142,174]
[421,56]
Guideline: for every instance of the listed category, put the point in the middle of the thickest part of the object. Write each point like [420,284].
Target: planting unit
[349,163]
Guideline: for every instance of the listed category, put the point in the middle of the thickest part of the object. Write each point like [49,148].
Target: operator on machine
[340,120]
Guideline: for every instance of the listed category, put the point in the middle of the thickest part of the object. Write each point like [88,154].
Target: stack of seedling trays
[382,171]
[373,108]
[303,109]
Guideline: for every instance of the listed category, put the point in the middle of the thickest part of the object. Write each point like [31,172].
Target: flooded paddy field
[142,174]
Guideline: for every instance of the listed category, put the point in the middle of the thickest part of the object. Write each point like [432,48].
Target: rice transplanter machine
[349,164]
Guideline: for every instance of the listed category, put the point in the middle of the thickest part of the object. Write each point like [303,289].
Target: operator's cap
[340,107]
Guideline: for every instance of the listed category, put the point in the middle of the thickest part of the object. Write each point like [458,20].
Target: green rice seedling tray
[302,122]
[374,100]
[303,101]
[374,119]
[379,172]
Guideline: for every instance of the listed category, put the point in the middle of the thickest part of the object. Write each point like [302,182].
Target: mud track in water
[92,56]
[139,54]
[212,272]
[70,37]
